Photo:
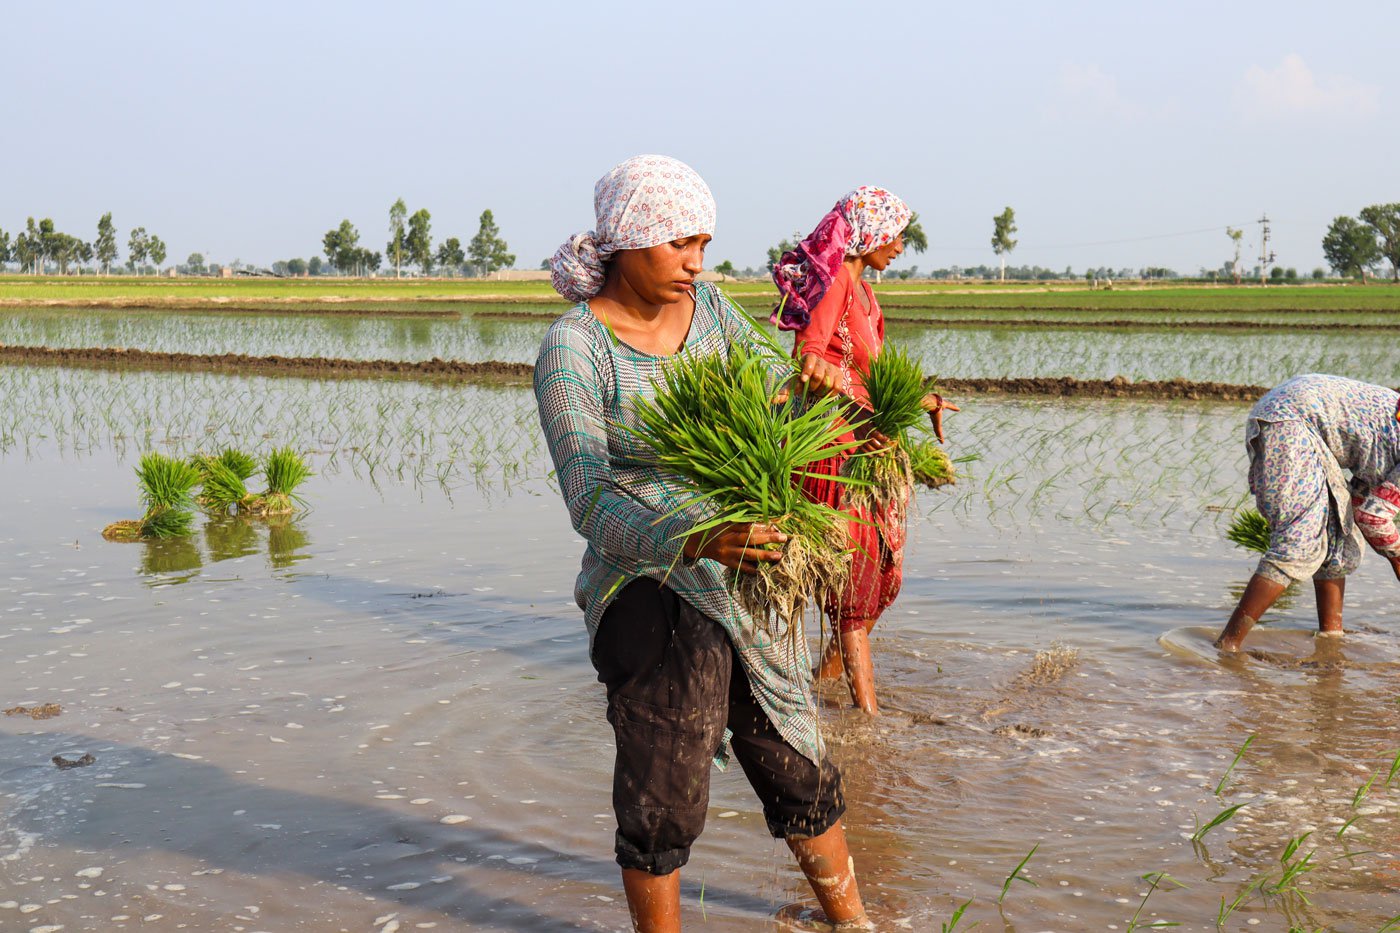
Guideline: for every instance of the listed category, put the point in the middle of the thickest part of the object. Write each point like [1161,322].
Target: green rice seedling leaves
[243,465]
[1346,826]
[894,385]
[1249,530]
[1155,879]
[1247,892]
[166,482]
[1394,768]
[713,423]
[1294,868]
[223,489]
[929,463]
[167,493]
[1221,818]
[1017,874]
[1391,925]
[1363,791]
[165,522]
[1230,770]
[951,924]
[284,470]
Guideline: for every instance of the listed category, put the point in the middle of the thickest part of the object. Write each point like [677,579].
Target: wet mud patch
[489,371]
[43,711]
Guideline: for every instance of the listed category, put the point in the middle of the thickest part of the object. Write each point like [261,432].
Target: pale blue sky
[247,130]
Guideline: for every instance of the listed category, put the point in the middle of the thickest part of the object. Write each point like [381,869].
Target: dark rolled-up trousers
[674,683]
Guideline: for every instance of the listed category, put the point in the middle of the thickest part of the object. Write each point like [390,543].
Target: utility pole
[1266,258]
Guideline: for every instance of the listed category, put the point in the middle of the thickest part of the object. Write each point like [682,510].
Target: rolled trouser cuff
[808,827]
[653,863]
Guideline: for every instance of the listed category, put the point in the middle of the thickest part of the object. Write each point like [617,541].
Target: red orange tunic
[843,333]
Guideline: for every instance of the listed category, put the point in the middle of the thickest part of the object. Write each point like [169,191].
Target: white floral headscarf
[643,202]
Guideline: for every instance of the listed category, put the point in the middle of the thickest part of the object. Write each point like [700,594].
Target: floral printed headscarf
[643,202]
[860,223]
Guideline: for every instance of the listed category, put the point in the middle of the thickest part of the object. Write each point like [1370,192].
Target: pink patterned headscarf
[860,223]
[643,202]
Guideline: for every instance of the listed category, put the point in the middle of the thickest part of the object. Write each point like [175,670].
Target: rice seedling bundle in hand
[167,493]
[284,470]
[895,387]
[1249,530]
[929,462]
[713,423]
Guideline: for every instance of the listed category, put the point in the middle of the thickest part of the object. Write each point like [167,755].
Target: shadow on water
[162,802]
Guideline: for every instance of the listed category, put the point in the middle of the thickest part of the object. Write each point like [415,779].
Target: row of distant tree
[410,244]
[1356,245]
[41,248]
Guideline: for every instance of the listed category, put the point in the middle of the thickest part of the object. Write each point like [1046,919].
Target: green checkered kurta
[585,380]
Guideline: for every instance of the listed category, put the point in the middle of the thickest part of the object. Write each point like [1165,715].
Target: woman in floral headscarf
[835,315]
[1301,436]
[687,670]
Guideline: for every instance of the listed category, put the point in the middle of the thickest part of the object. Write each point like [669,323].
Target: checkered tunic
[585,381]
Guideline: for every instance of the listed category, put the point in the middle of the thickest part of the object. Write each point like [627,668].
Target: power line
[1137,239]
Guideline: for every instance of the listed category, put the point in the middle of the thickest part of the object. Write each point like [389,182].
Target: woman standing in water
[681,661]
[1301,435]
[835,315]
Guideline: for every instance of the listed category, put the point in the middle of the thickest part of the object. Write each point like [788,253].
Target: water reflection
[172,561]
[168,561]
[228,537]
[287,542]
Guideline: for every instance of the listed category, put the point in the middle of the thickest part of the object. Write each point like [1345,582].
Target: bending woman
[835,315]
[683,664]
[1301,435]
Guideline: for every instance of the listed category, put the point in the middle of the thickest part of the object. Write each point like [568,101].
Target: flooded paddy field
[381,713]
[512,335]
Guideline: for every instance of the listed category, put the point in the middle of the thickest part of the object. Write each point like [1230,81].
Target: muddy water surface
[381,713]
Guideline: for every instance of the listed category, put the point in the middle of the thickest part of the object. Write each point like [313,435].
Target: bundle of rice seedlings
[285,470]
[895,386]
[224,480]
[928,462]
[167,488]
[713,422]
[1249,530]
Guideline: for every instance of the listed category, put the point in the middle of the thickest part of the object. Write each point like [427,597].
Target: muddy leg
[1258,596]
[860,669]
[654,901]
[1329,604]
[827,863]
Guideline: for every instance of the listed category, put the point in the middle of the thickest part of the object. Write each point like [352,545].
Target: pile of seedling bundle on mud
[726,424]
[172,489]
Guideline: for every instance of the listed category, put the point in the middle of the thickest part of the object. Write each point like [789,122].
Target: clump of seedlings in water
[1249,530]
[284,470]
[714,422]
[224,478]
[895,387]
[167,493]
